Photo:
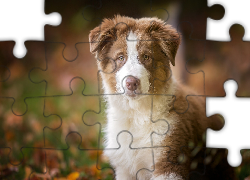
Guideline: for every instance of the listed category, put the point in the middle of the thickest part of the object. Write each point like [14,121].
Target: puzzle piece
[17,87]
[89,170]
[133,172]
[228,60]
[73,27]
[159,126]
[210,164]
[26,25]
[192,48]
[192,26]
[218,30]
[76,121]
[60,71]
[34,160]
[24,131]
[227,107]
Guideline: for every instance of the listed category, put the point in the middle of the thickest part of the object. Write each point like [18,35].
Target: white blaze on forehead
[132,67]
[131,45]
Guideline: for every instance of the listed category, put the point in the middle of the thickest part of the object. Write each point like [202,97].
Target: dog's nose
[132,83]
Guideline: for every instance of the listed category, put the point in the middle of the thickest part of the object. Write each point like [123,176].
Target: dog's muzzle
[132,83]
[132,86]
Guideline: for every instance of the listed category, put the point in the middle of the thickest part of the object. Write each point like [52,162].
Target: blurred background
[49,99]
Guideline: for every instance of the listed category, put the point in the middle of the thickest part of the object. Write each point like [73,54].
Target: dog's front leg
[171,163]
[167,177]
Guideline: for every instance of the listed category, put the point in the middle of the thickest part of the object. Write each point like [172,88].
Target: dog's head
[134,54]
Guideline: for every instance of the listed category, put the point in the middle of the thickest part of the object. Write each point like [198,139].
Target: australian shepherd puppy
[134,56]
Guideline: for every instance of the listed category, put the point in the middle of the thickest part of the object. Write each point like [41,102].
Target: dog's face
[134,54]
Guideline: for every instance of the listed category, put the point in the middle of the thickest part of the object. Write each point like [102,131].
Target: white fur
[137,121]
[134,115]
[171,176]
[132,67]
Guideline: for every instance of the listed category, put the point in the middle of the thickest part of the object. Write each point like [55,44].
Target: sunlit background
[50,97]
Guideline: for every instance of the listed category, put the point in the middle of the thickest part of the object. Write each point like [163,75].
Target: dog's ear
[99,37]
[168,38]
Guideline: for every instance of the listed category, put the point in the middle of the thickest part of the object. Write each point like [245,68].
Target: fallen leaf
[73,176]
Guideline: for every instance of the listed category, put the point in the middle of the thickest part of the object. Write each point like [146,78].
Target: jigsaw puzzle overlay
[53,105]
[225,137]
[26,24]
[234,13]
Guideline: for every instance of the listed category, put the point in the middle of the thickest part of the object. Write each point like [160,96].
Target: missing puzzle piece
[235,112]
[29,19]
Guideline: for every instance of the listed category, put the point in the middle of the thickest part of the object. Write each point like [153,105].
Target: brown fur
[160,42]
[187,141]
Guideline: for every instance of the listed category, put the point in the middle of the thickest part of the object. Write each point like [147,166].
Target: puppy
[134,56]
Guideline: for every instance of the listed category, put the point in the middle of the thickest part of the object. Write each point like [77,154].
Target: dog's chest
[140,125]
[137,128]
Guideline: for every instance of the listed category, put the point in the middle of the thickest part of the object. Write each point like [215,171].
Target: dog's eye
[121,58]
[146,57]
